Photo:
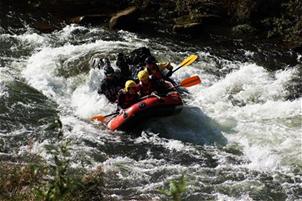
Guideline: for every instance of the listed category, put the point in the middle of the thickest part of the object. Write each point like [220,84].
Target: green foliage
[198,10]
[176,188]
[34,3]
[243,30]
[52,181]
[59,183]
[186,6]
[16,181]
[289,24]
[181,6]
[139,3]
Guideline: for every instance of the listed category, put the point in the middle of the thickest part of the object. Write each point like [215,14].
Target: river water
[238,137]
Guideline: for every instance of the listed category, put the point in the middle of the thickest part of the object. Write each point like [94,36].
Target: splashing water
[237,138]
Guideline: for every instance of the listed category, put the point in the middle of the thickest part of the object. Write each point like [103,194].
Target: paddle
[190,81]
[187,61]
[102,118]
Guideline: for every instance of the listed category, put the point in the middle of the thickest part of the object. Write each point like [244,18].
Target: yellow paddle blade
[191,81]
[98,117]
[189,60]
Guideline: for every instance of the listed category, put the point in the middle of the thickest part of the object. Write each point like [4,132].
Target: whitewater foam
[3,90]
[250,106]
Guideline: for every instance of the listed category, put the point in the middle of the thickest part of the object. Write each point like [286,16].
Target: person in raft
[156,70]
[127,96]
[123,65]
[154,86]
[146,85]
[110,85]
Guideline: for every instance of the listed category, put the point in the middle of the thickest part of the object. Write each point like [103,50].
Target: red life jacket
[126,99]
[146,89]
[157,75]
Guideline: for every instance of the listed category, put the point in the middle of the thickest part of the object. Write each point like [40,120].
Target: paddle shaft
[173,71]
[189,60]
[102,118]
[112,114]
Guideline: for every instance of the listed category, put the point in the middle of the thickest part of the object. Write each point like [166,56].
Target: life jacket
[157,75]
[146,89]
[126,99]
[162,86]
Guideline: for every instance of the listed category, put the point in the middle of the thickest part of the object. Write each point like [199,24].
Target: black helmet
[108,70]
[101,63]
[120,55]
[97,63]
[106,61]
[150,60]
[121,60]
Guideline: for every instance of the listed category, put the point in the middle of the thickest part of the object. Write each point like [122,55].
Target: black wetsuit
[110,87]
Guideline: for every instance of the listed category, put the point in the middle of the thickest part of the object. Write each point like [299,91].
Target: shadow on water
[190,125]
[26,115]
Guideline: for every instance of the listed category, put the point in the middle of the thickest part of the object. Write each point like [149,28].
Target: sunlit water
[237,138]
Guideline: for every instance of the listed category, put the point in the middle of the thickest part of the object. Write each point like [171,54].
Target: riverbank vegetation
[55,180]
[278,22]
[288,25]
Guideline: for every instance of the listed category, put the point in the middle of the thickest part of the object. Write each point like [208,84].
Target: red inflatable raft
[151,106]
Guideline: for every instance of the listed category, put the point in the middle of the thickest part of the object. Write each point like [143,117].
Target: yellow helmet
[142,75]
[128,84]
